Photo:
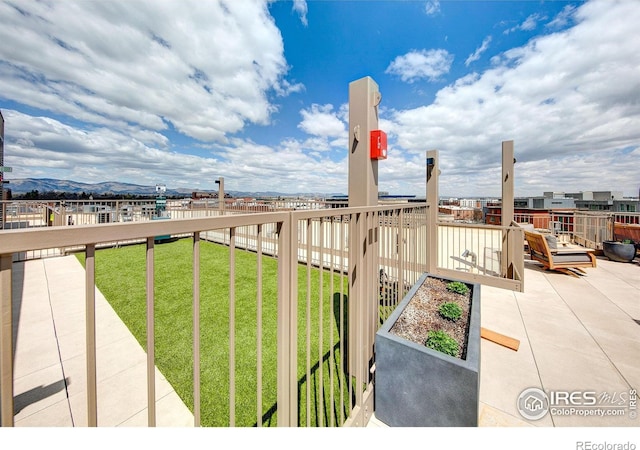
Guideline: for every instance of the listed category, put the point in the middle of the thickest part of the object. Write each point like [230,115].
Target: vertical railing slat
[196,329]
[259,327]
[90,316]
[6,341]
[320,383]
[331,312]
[232,327]
[341,337]
[151,379]
[308,317]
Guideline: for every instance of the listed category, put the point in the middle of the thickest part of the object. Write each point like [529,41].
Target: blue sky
[181,92]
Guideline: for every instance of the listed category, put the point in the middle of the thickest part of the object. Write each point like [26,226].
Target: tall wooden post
[364,98]
[508,162]
[220,183]
[433,173]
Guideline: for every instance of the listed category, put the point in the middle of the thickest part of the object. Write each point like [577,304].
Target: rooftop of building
[575,334]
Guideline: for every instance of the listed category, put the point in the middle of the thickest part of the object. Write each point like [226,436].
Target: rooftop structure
[336,275]
[576,334]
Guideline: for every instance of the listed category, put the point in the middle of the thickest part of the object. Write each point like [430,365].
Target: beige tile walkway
[50,367]
[575,334]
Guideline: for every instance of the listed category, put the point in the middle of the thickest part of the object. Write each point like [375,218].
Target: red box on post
[378,144]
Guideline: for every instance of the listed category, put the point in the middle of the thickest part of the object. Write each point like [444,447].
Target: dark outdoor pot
[416,386]
[617,251]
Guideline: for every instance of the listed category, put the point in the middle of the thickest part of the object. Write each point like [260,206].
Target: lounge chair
[527,227]
[565,260]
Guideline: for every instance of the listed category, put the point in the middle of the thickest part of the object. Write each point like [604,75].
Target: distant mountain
[21,186]
[25,185]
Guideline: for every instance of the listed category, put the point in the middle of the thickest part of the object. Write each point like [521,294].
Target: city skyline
[256,92]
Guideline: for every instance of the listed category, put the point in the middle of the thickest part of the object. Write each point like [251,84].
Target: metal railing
[557,223]
[340,274]
[486,254]
[43,213]
[587,228]
[591,229]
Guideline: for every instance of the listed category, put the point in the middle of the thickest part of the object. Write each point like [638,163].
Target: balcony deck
[575,334]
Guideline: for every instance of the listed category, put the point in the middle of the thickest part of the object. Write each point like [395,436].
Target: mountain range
[25,185]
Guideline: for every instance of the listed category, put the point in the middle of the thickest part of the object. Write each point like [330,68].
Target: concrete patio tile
[576,371]
[504,375]
[563,331]
[500,312]
[629,370]
[38,391]
[110,360]
[618,290]
[629,272]
[120,397]
[35,350]
[56,415]
[33,308]
[170,412]
[73,344]
[618,350]
[69,302]
[492,417]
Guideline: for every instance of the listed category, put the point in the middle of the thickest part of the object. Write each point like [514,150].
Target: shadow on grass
[333,403]
[340,411]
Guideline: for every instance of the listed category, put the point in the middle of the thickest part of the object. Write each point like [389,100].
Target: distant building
[541,211]
[612,201]
[461,213]
[3,193]
[550,200]
[2,150]
[478,203]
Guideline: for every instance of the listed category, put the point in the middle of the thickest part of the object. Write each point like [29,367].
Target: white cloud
[207,68]
[288,166]
[563,18]
[570,100]
[285,88]
[530,23]
[479,51]
[48,148]
[556,98]
[432,7]
[418,64]
[37,146]
[300,6]
[321,120]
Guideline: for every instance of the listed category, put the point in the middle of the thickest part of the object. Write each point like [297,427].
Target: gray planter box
[419,387]
[617,251]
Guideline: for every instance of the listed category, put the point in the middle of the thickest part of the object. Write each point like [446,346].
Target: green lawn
[120,276]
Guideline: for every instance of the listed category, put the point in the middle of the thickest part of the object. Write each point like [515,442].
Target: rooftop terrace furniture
[527,227]
[565,260]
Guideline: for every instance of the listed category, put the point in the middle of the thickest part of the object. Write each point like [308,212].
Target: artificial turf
[323,395]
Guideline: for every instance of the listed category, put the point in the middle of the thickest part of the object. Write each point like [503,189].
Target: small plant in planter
[442,342]
[458,287]
[450,311]
[421,379]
